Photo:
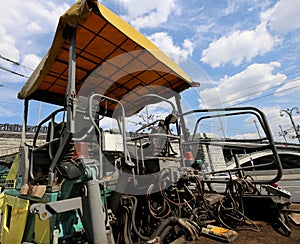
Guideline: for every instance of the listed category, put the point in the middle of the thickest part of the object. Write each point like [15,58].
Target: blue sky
[243,52]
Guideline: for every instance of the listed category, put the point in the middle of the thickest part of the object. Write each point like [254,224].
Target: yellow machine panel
[14,219]
[41,231]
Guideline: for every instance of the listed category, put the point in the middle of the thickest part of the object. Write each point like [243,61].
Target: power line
[13,72]
[251,94]
[271,94]
[14,62]
[254,93]
[8,87]
[262,83]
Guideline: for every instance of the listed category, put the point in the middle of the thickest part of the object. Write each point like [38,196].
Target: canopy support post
[71,106]
[71,89]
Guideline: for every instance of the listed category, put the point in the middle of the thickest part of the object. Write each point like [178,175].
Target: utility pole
[257,129]
[39,114]
[289,112]
[283,133]
[222,128]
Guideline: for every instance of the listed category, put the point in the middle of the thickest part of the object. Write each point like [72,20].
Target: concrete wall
[211,155]
[10,143]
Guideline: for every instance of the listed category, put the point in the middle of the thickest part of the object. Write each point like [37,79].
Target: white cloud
[284,16]
[7,94]
[7,45]
[273,115]
[6,113]
[31,61]
[33,26]
[249,83]
[274,120]
[177,53]
[148,13]
[22,17]
[292,86]
[245,136]
[9,106]
[231,7]
[22,22]
[239,46]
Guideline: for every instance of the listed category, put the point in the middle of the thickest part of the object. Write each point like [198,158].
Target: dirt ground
[267,234]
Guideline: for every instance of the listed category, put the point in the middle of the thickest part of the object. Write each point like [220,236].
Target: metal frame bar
[264,123]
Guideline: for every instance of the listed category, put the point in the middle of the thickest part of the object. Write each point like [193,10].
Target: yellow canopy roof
[112,58]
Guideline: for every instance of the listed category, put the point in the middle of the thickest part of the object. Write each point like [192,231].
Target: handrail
[51,116]
[265,126]
[49,144]
[99,131]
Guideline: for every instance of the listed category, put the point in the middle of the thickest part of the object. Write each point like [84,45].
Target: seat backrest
[58,129]
[112,142]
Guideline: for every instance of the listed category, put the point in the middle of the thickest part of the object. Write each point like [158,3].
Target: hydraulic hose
[163,225]
[134,205]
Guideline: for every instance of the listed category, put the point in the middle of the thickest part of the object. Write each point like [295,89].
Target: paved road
[293,186]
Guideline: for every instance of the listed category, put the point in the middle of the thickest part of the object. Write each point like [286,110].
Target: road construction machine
[96,177]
